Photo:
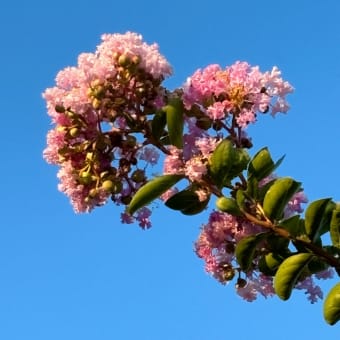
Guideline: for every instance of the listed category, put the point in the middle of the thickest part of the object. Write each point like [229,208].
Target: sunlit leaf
[221,161]
[175,121]
[278,196]
[152,190]
[245,250]
[335,228]
[313,217]
[331,306]
[289,272]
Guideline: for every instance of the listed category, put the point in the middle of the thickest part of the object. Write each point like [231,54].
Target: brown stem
[331,260]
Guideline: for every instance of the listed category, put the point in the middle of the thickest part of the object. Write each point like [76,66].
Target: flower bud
[107,185]
[204,123]
[96,103]
[130,141]
[59,108]
[93,193]
[124,60]
[74,132]
[241,283]
[138,176]
[126,200]
[136,59]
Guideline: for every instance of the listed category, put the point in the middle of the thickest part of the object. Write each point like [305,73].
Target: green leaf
[228,205]
[269,263]
[187,202]
[175,121]
[335,228]
[253,188]
[289,272]
[262,164]
[278,244]
[245,250]
[152,190]
[221,161]
[158,124]
[317,265]
[331,306]
[277,197]
[241,199]
[327,216]
[313,217]
[240,162]
[294,225]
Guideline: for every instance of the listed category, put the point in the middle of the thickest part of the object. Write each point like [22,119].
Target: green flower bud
[124,60]
[74,132]
[107,185]
[60,108]
[138,176]
[228,205]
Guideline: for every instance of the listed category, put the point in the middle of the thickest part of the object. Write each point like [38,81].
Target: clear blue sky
[67,276]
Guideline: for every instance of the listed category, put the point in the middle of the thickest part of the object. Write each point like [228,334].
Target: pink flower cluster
[100,109]
[216,246]
[236,93]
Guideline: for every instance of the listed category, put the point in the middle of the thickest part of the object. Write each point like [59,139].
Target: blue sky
[67,276]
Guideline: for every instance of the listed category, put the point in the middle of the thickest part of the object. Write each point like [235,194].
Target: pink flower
[294,205]
[173,163]
[195,168]
[239,90]
[93,105]
[143,217]
[150,155]
[312,291]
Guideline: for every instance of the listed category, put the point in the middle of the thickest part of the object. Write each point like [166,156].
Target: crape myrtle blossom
[216,247]
[237,93]
[99,109]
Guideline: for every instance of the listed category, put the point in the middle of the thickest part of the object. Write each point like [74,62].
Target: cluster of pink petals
[132,44]
[191,161]
[221,233]
[294,206]
[216,244]
[256,284]
[239,90]
[81,122]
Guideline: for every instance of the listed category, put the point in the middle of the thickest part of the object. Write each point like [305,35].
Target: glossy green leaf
[228,205]
[240,162]
[158,124]
[317,265]
[289,272]
[335,228]
[294,225]
[269,263]
[221,161]
[187,202]
[277,197]
[240,199]
[331,306]
[262,164]
[152,190]
[327,216]
[278,244]
[253,188]
[245,250]
[313,217]
[175,121]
